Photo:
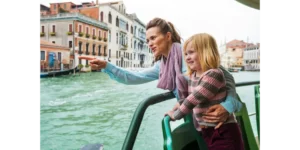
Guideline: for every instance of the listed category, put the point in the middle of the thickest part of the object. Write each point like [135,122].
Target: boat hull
[58,73]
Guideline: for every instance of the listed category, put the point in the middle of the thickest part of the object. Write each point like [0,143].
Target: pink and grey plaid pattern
[204,91]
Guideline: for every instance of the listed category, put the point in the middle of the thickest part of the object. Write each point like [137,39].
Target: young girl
[207,87]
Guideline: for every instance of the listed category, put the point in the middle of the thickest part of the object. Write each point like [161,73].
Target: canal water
[92,108]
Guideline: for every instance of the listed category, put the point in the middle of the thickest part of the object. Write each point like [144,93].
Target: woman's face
[158,42]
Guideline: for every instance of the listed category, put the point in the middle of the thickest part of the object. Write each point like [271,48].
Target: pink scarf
[170,75]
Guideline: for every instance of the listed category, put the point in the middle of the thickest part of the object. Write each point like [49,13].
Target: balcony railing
[123,47]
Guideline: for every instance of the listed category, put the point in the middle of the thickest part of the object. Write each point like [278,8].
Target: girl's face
[192,58]
[158,42]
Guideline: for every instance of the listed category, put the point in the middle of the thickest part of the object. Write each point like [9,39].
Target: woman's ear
[169,36]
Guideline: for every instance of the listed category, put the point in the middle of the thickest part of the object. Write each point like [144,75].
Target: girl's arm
[209,86]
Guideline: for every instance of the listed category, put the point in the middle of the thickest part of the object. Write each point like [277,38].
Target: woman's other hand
[216,114]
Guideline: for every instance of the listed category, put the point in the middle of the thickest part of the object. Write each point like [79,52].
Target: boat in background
[234,69]
[59,73]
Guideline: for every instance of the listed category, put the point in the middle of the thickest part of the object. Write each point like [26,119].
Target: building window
[109,53]
[117,21]
[134,46]
[104,34]
[53,28]
[65,6]
[117,38]
[42,55]
[117,54]
[101,15]
[54,7]
[53,42]
[70,27]
[94,32]
[131,30]
[80,28]
[87,48]
[79,50]
[70,44]
[99,33]
[99,50]
[109,17]
[94,49]
[59,56]
[109,35]
[43,29]
[87,30]
[127,26]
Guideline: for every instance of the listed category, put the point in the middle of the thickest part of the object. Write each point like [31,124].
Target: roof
[63,3]
[110,3]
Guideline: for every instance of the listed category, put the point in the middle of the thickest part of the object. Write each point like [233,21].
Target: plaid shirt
[204,91]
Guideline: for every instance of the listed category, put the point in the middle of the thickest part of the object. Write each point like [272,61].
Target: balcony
[69,33]
[99,38]
[81,34]
[123,47]
[141,36]
[52,33]
[94,53]
[42,34]
[87,35]
[94,37]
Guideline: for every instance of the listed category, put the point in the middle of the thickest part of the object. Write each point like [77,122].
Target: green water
[91,108]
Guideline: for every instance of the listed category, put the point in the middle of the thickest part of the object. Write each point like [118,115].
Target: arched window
[109,17]
[131,30]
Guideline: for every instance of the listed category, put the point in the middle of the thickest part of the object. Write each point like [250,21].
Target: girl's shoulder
[215,73]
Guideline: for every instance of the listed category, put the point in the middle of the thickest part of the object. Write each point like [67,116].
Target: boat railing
[142,107]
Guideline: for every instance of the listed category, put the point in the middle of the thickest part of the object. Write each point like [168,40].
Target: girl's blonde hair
[206,47]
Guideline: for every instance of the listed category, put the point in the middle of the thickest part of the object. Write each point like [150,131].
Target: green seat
[257,108]
[183,137]
[246,128]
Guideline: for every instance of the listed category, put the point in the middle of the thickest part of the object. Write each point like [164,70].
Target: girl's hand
[171,114]
[177,105]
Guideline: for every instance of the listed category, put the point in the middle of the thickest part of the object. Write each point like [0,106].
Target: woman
[163,39]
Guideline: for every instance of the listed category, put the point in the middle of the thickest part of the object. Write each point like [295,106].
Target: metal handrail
[141,109]
[138,117]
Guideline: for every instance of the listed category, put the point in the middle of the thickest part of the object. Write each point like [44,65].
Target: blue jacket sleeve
[131,77]
[231,104]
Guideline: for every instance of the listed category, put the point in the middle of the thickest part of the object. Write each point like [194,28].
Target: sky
[223,19]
